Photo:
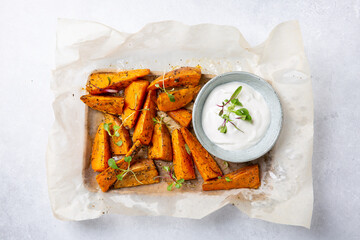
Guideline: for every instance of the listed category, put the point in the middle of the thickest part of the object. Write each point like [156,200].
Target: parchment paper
[286,192]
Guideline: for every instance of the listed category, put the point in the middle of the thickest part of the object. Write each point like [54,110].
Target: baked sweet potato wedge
[182,161]
[160,147]
[106,104]
[181,116]
[184,76]
[134,98]
[108,177]
[206,165]
[145,172]
[102,82]
[100,150]
[182,97]
[120,142]
[144,127]
[246,177]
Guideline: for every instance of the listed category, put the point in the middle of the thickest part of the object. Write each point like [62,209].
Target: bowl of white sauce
[237,116]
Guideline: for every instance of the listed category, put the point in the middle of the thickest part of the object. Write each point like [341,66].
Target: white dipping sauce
[233,139]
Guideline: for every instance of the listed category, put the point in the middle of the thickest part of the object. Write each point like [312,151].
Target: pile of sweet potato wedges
[137,109]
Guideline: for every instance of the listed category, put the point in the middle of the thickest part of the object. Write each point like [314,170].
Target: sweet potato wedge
[145,172]
[121,143]
[106,104]
[160,147]
[183,163]
[102,82]
[108,177]
[134,99]
[100,150]
[246,177]
[181,116]
[144,127]
[206,165]
[182,97]
[185,76]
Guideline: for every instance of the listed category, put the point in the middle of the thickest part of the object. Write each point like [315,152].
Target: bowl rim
[200,133]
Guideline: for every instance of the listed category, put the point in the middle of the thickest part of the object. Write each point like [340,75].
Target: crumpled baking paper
[286,193]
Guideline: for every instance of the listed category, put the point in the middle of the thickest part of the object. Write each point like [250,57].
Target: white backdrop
[331,31]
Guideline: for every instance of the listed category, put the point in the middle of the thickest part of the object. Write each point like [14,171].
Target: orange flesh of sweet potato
[185,76]
[246,177]
[144,127]
[100,150]
[100,82]
[123,139]
[106,104]
[134,98]
[181,116]
[160,147]
[204,162]
[144,170]
[183,164]
[182,97]
[108,177]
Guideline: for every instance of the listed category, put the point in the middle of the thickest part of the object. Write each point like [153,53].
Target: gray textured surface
[331,31]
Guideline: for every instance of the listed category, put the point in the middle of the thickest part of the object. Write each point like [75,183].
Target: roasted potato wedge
[246,177]
[206,165]
[144,172]
[182,97]
[144,127]
[181,116]
[182,160]
[185,76]
[134,98]
[160,148]
[100,150]
[105,104]
[102,82]
[121,142]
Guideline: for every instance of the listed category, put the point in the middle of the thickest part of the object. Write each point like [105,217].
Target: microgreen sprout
[157,121]
[177,183]
[124,172]
[233,102]
[170,96]
[107,127]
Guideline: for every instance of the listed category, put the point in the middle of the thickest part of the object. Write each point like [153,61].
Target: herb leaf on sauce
[232,103]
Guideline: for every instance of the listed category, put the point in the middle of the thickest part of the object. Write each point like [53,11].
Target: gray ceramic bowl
[271,135]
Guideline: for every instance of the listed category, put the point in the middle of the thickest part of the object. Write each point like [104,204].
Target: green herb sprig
[121,176]
[170,96]
[233,102]
[156,121]
[177,183]
[226,178]
[116,132]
